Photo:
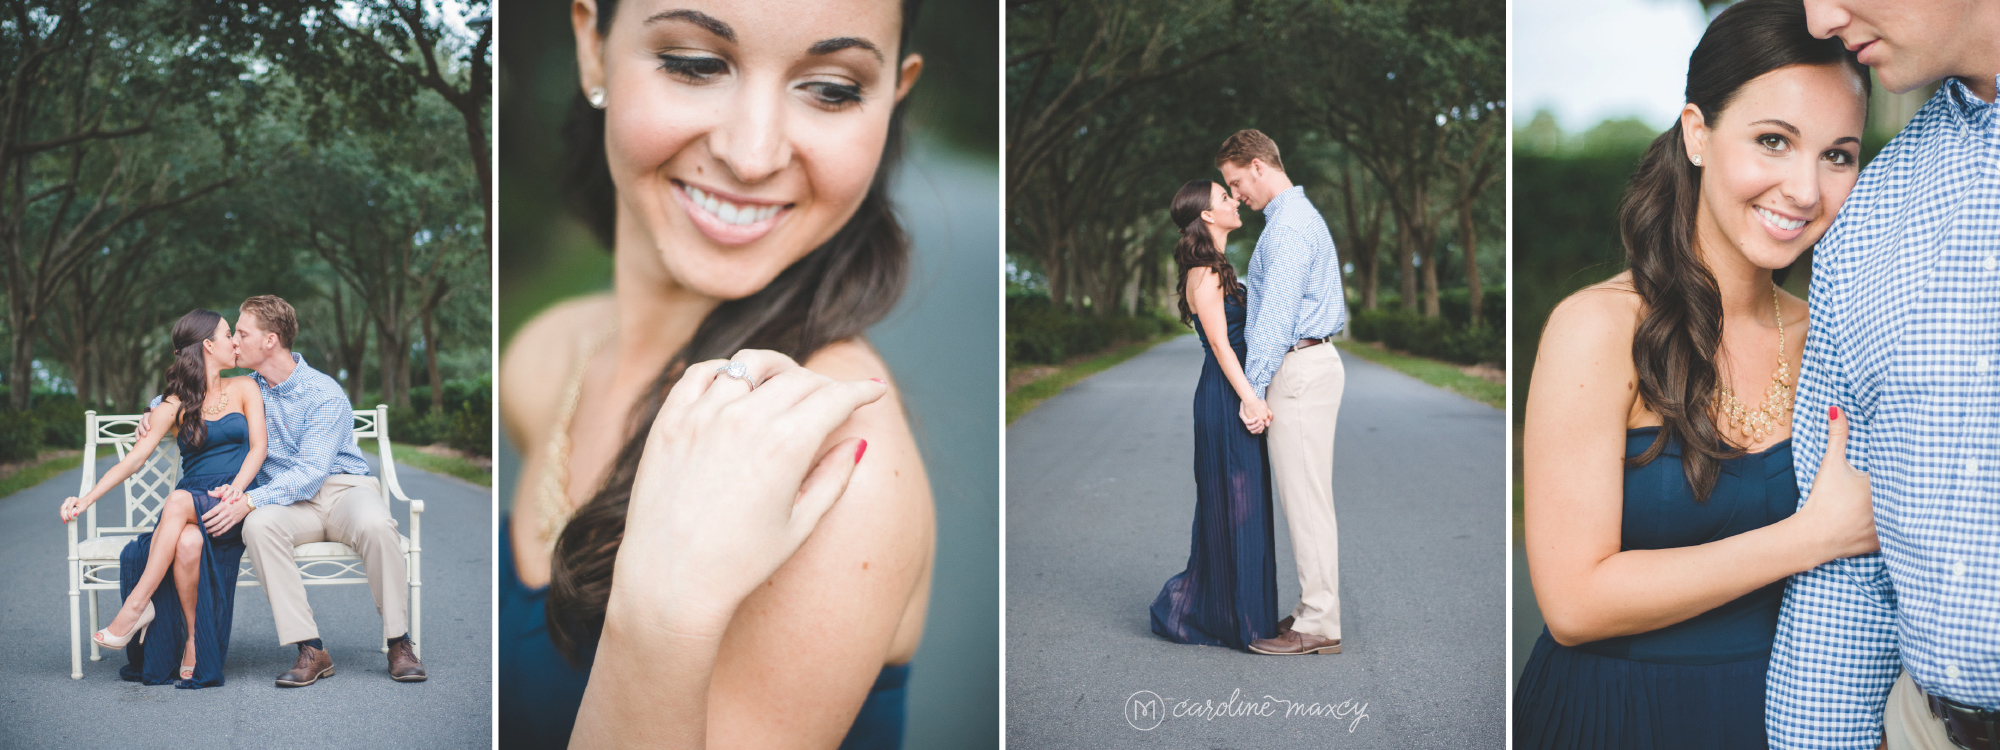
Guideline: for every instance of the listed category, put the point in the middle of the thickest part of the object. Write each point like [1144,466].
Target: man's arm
[313,462]
[1835,655]
[1272,313]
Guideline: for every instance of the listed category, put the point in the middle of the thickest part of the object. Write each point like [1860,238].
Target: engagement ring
[737,370]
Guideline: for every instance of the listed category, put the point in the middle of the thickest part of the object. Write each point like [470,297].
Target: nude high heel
[117,643]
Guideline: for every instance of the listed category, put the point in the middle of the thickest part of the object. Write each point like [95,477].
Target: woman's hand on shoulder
[732,480]
[861,580]
[537,361]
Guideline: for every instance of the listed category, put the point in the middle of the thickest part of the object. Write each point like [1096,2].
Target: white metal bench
[93,559]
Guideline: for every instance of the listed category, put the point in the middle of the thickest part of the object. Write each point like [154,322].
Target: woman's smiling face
[741,135]
[1778,161]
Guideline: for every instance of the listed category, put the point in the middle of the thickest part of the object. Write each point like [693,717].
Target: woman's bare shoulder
[243,385]
[1609,308]
[536,362]
[893,472]
[1584,359]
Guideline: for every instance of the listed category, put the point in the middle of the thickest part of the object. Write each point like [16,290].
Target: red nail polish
[860,449]
[878,380]
[1832,412]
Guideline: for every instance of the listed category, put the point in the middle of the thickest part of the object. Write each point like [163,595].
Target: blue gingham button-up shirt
[1906,340]
[1294,283]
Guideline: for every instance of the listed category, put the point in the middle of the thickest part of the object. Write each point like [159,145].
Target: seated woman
[219,424]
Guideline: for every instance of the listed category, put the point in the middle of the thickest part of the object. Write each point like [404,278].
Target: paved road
[358,707]
[1099,507]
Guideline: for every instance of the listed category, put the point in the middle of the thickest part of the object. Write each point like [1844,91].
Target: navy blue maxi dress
[1228,596]
[158,660]
[540,692]
[1698,683]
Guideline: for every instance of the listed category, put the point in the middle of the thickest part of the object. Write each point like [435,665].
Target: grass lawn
[1441,374]
[1025,398]
[450,465]
[53,462]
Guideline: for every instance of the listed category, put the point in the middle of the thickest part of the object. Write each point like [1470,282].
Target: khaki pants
[1305,401]
[1907,723]
[347,509]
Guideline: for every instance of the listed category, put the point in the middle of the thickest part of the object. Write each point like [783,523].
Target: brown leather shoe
[313,664]
[1295,642]
[403,663]
[1285,625]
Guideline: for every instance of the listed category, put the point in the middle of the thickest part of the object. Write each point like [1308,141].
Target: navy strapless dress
[540,692]
[1698,683]
[212,465]
[1228,596]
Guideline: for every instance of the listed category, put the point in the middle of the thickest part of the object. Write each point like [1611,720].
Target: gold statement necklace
[221,404]
[1757,424]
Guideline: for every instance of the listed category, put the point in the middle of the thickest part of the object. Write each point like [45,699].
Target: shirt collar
[1970,109]
[285,387]
[1271,208]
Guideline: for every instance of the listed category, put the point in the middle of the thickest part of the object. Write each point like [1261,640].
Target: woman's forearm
[1637,591]
[650,676]
[118,472]
[252,463]
[1215,326]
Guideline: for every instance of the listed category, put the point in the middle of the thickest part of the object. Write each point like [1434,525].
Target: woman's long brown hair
[1196,247]
[187,375]
[1680,329]
[834,293]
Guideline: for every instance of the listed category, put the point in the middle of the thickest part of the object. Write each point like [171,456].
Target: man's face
[1243,183]
[1909,43]
[252,340]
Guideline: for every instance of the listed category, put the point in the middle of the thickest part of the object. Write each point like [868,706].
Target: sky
[1592,60]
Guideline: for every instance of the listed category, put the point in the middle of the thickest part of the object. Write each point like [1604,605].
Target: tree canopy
[1391,113]
[157,156]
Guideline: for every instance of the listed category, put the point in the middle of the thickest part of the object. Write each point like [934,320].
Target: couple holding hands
[1812,569]
[268,462]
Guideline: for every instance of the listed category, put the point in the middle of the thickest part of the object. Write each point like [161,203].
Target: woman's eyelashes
[693,69]
[705,69]
[833,95]
[1839,157]
[1774,142]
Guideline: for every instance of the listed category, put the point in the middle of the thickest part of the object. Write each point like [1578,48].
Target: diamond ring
[739,371]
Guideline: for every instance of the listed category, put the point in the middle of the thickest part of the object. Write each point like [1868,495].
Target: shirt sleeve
[312,464]
[1834,658]
[1272,313]
[155,403]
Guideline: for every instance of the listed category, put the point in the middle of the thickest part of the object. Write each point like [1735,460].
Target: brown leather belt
[1969,727]
[1307,343]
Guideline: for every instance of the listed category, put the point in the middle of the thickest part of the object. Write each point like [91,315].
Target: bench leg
[416,608]
[75,626]
[95,654]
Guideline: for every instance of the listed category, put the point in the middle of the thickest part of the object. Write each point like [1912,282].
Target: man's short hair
[274,315]
[1246,145]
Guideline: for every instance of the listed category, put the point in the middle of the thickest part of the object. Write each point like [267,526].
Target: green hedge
[21,435]
[1038,333]
[466,423]
[1437,338]
[55,421]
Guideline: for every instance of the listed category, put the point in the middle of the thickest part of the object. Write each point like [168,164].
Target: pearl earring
[597,100]
[1697,157]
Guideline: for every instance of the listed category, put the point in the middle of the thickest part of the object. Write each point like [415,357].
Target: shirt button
[1951,671]
[1985,363]
[1958,569]
[1992,263]
[1972,466]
